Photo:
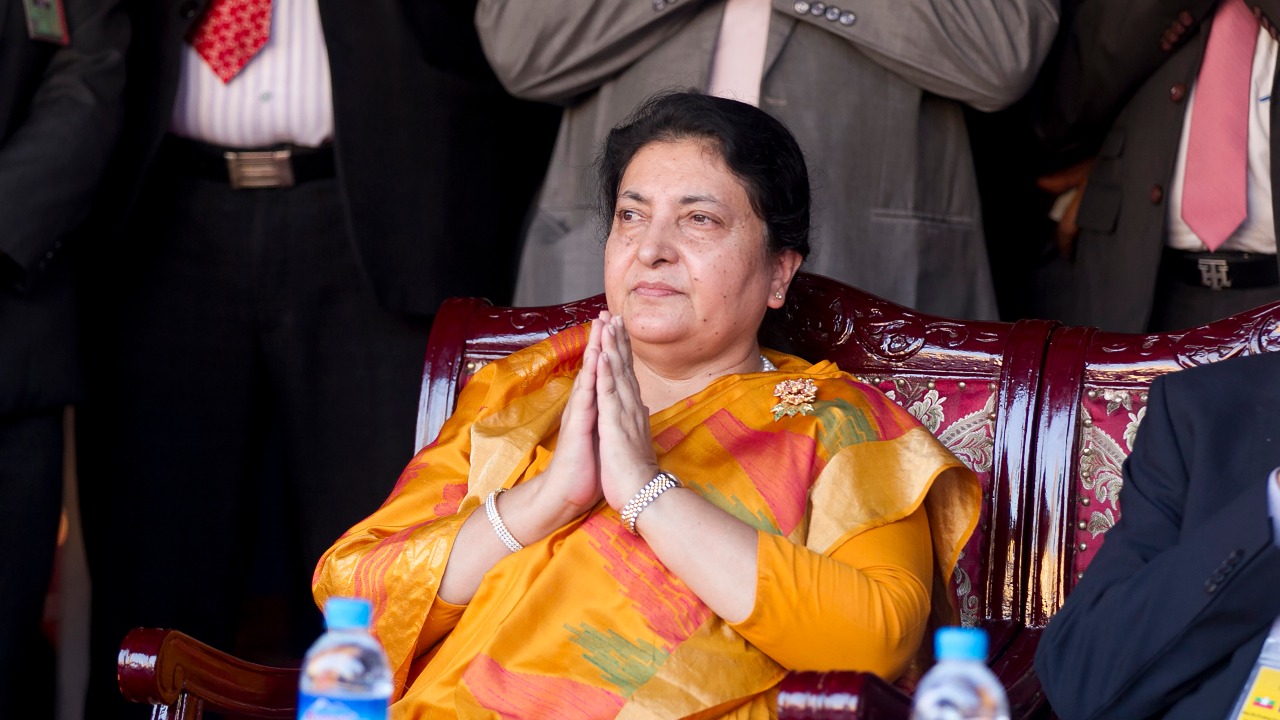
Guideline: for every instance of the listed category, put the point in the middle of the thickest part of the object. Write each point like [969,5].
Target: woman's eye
[701,219]
[626,215]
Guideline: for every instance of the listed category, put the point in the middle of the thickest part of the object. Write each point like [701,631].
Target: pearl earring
[777,294]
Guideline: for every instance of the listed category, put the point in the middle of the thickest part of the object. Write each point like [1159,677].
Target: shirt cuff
[1273,503]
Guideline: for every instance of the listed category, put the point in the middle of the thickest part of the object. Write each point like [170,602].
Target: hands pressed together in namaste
[605,448]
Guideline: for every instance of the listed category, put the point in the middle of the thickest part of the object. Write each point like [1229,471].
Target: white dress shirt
[1273,502]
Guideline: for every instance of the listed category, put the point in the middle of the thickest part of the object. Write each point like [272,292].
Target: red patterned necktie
[231,33]
[1214,201]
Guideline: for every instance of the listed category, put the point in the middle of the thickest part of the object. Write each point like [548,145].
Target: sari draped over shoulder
[587,622]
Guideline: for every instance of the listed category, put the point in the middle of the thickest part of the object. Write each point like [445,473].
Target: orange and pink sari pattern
[588,621]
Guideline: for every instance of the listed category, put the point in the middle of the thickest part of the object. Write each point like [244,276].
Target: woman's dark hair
[757,149]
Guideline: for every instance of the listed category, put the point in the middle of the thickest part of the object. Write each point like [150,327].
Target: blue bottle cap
[345,613]
[960,643]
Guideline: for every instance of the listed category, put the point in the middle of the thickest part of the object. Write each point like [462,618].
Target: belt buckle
[259,169]
[1214,273]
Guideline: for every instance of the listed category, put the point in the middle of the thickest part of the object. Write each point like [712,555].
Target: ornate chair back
[1095,390]
[973,384]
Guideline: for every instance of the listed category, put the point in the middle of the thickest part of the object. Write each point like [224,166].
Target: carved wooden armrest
[849,695]
[840,695]
[1015,668]
[175,671]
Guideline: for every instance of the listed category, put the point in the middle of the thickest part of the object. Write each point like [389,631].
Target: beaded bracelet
[499,527]
[660,483]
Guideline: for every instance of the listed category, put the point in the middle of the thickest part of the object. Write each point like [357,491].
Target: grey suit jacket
[873,96]
[1124,76]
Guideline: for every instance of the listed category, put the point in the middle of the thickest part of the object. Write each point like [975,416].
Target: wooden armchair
[1042,412]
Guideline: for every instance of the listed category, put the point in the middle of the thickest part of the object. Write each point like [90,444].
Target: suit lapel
[702,32]
[780,29]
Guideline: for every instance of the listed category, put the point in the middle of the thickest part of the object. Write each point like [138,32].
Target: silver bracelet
[660,483]
[499,527]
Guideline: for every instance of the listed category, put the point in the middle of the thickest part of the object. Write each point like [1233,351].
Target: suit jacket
[437,164]
[60,111]
[874,101]
[1119,89]
[1172,612]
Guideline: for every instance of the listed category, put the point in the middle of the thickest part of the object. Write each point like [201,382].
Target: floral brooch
[795,397]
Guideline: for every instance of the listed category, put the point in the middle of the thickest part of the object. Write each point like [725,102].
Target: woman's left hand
[627,460]
[724,578]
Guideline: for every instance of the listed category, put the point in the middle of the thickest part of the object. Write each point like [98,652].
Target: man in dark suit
[1172,613]
[61,91]
[255,335]
[1122,88]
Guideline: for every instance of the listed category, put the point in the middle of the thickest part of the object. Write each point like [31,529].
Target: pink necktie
[739,59]
[1214,202]
[231,33]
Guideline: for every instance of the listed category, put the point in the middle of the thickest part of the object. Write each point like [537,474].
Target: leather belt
[277,167]
[1223,270]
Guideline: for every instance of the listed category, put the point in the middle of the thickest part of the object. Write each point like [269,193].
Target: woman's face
[686,262]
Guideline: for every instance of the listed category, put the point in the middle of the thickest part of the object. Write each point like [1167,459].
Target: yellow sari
[587,622]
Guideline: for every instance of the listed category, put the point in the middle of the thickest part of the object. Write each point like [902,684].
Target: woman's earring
[777,294]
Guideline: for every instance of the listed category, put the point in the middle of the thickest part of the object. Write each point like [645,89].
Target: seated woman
[562,551]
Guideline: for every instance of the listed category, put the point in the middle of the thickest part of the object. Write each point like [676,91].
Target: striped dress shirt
[282,96]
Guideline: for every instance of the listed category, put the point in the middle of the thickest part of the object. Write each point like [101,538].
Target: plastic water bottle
[960,687]
[345,675]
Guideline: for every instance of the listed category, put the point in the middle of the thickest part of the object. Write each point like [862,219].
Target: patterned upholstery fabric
[962,415]
[1109,422]
[1118,370]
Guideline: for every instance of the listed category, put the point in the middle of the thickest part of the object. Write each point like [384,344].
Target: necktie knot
[231,33]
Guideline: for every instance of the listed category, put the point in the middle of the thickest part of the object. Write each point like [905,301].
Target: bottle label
[311,707]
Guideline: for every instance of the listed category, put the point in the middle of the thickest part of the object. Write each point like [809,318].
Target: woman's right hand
[569,487]
[573,475]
